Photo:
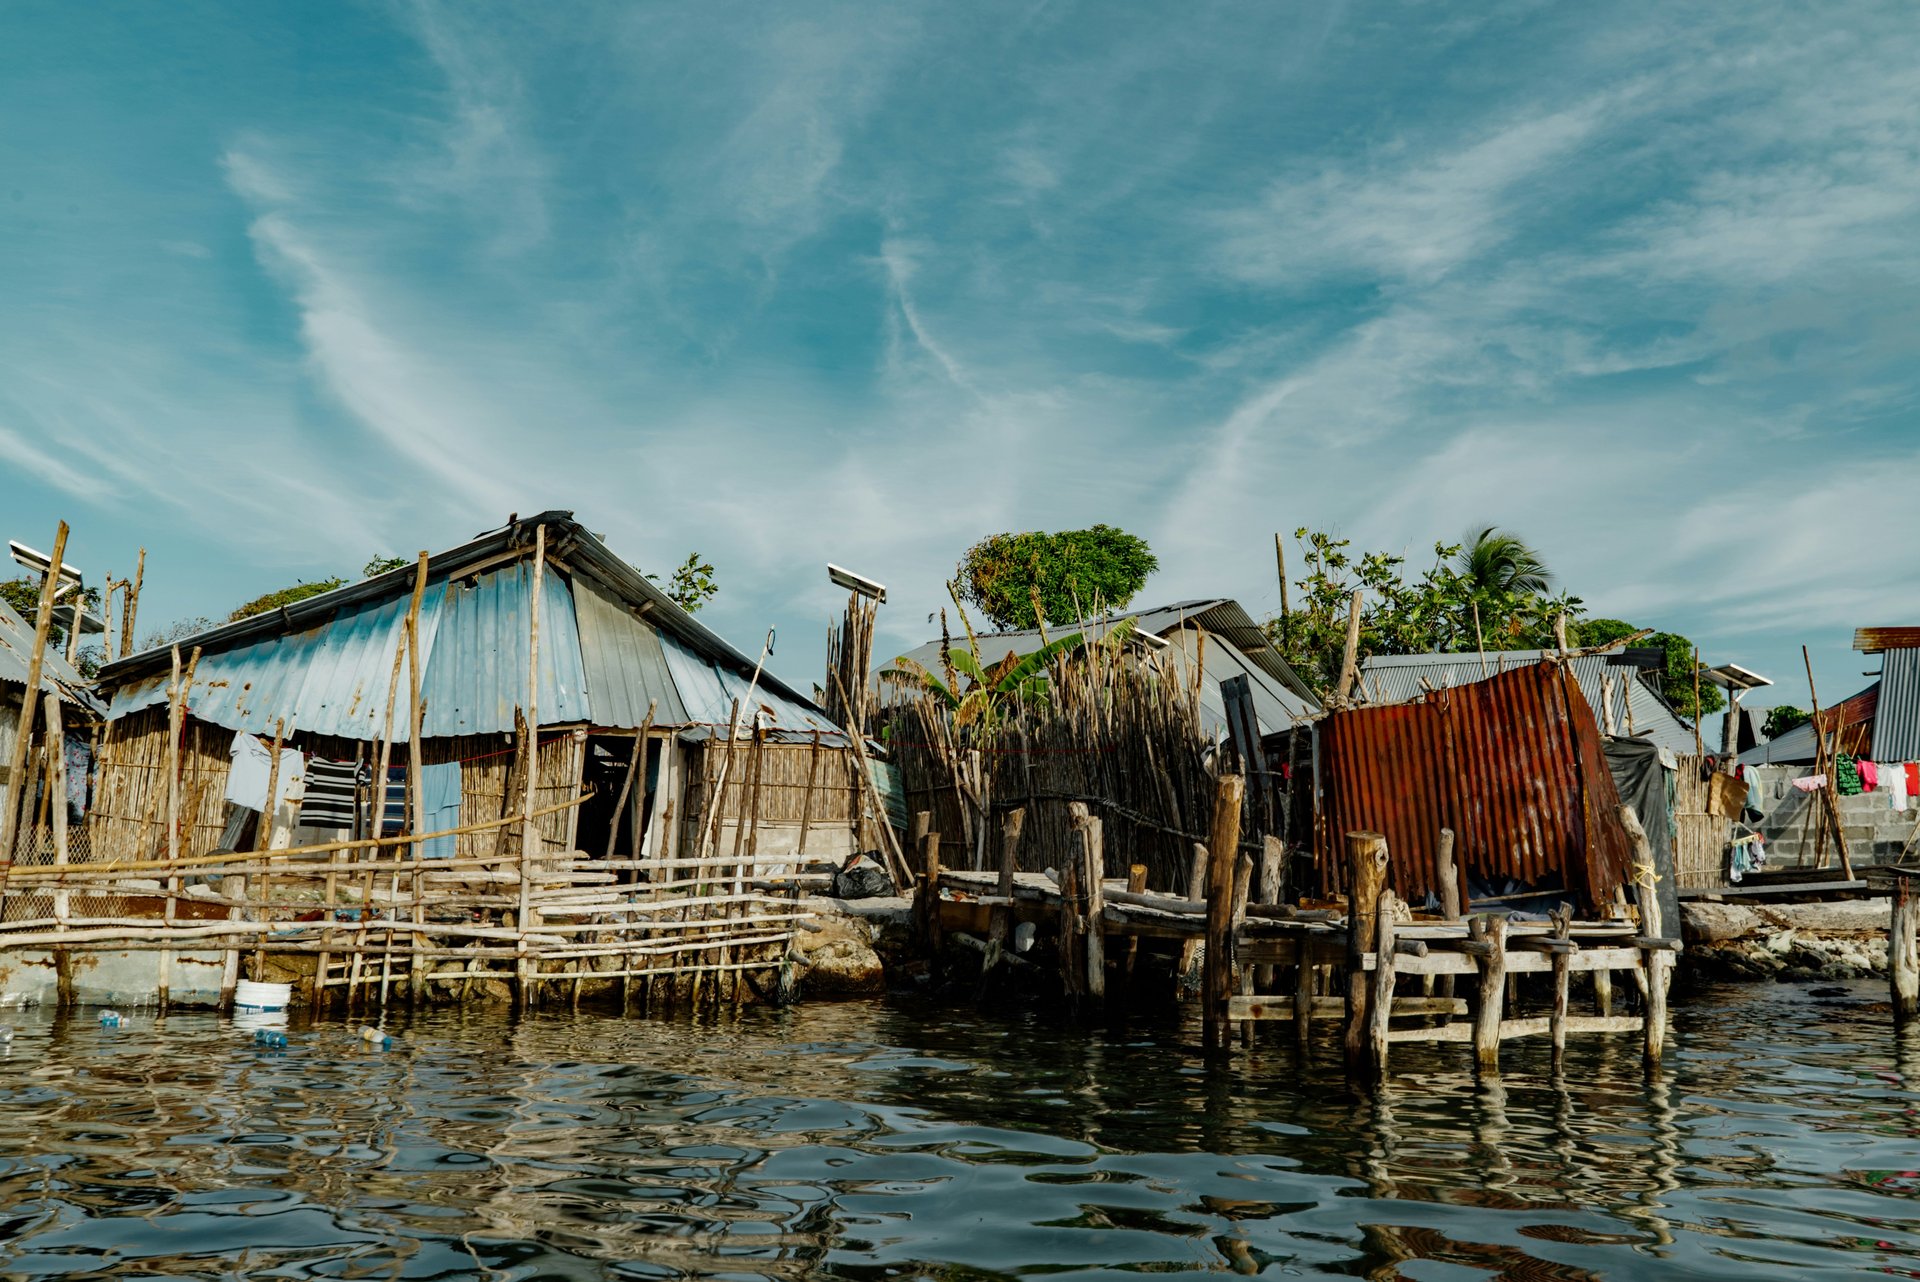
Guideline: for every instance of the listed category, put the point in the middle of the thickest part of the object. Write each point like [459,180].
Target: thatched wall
[785,801]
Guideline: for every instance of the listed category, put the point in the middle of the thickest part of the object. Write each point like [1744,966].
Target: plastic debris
[270,1038]
[110,1019]
[374,1037]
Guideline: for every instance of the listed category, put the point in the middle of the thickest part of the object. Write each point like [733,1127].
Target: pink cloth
[1869,775]
[1810,783]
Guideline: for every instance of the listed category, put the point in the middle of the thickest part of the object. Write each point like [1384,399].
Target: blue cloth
[440,798]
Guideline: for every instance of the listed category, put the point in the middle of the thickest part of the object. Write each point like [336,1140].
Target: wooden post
[929,905]
[1136,884]
[176,721]
[1349,656]
[1093,869]
[1562,918]
[57,791]
[416,721]
[1903,949]
[1366,878]
[1000,926]
[1826,763]
[1242,977]
[1490,930]
[17,770]
[1223,854]
[265,882]
[806,800]
[1303,993]
[1658,961]
[130,606]
[1603,992]
[1380,1008]
[1196,891]
[529,834]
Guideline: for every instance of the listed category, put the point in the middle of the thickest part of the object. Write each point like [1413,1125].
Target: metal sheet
[1396,678]
[477,675]
[1512,764]
[707,692]
[16,654]
[1896,717]
[624,664]
[1875,640]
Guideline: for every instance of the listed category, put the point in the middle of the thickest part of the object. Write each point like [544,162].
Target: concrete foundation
[28,978]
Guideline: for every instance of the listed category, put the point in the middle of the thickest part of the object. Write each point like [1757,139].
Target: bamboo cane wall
[784,798]
[1699,838]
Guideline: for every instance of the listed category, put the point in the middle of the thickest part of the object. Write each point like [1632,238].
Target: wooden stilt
[1489,931]
[1380,1007]
[1093,872]
[1657,961]
[523,966]
[1366,878]
[57,791]
[1303,996]
[1000,926]
[1903,949]
[1197,862]
[1562,918]
[1223,855]
[1136,884]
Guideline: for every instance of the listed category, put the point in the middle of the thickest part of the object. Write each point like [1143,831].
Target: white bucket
[252,996]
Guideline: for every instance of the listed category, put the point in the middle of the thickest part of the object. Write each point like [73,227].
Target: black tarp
[1642,782]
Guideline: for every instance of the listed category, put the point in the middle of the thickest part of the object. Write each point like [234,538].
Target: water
[879,1140]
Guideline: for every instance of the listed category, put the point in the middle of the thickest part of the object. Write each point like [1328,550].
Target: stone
[839,958]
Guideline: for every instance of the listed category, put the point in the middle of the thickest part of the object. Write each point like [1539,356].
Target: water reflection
[870,1141]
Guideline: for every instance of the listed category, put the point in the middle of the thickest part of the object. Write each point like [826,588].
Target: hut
[520,734]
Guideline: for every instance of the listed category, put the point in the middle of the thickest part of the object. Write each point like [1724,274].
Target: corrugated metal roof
[323,664]
[1276,707]
[16,654]
[1896,717]
[1874,640]
[1795,747]
[708,691]
[625,665]
[477,673]
[1395,678]
[1220,618]
[1512,764]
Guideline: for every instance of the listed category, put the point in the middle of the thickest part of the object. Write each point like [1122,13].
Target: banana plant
[985,689]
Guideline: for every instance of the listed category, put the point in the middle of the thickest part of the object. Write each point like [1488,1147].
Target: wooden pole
[57,790]
[130,606]
[929,905]
[529,834]
[1191,950]
[17,770]
[806,801]
[1136,884]
[1350,653]
[1366,878]
[1828,763]
[176,721]
[1093,870]
[1658,961]
[1490,930]
[1000,924]
[634,764]
[1280,562]
[1698,751]
[1223,852]
[264,843]
[1903,949]
[416,774]
[1380,1000]
[1562,918]
[1450,892]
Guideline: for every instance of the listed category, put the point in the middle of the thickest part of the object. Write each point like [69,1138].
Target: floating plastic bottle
[374,1037]
[110,1019]
[6,1034]
[270,1038]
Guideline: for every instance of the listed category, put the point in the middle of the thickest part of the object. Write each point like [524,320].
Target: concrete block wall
[1875,831]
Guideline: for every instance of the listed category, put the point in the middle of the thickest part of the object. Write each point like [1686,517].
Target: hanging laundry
[1913,777]
[393,816]
[1869,774]
[1810,783]
[440,798]
[1893,777]
[79,770]
[247,776]
[329,802]
[1846,775]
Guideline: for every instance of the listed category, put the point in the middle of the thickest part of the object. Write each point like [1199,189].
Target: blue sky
[285,286]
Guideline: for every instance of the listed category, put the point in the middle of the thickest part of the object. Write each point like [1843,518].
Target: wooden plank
[1438,962]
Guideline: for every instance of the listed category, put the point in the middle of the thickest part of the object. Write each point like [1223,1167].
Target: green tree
[1068,574]
[692,585]
[274,600]
[382,564]
[1782,718]
[22,592]
[1488,594]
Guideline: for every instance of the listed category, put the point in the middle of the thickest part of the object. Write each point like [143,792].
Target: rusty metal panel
[1875,640]
[1513,764]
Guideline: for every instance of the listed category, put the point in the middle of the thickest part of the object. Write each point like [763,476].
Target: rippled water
[887,1140]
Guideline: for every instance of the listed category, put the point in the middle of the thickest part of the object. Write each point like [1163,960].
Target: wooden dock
[1384,974]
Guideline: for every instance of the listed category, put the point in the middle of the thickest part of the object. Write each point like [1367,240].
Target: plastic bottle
[270,1038]
[109,1019]
[374,1037]
[6,1034]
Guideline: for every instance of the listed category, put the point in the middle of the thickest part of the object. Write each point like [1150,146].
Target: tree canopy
[1782,718]
[1067,575]
[692,584]
[1492,591]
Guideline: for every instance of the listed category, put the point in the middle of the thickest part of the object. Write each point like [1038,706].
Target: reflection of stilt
[1664,1152]
[1490,1128]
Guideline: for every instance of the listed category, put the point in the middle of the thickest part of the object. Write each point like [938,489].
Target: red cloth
[1869,774]
[1913,778]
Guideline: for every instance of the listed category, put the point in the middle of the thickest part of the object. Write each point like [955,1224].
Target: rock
[1705,923]
[1779,942]
[839,959]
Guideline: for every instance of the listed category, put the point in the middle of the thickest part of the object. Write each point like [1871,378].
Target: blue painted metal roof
[16,654]
[611,643]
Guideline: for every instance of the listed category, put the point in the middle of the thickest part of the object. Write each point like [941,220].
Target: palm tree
[1495,561]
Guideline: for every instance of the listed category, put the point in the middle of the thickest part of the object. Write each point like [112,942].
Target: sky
[286,286]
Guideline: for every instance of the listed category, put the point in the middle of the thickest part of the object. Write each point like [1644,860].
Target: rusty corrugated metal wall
[1512,764]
